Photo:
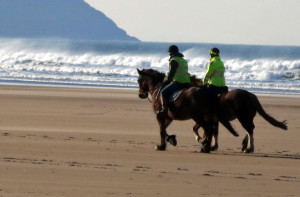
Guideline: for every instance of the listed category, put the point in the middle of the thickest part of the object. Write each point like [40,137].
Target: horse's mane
[154,74]
[196,81]
[159,77]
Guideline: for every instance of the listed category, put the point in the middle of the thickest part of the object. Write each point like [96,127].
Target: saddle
[175,95]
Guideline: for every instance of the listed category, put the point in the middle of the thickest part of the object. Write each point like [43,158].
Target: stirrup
[163,110]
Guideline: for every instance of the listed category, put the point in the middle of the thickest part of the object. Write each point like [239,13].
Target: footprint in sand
[91,139]
[70,138]
[182,169]
[287,178]
[207,174]
[240,177]
[141,168]
[255,174]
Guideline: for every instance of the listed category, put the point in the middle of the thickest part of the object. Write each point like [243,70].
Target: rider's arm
[173,67]
[209,73]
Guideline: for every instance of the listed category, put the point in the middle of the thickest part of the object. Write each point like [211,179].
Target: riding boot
[164,107]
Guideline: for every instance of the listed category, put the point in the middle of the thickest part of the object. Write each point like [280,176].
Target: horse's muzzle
[143,95]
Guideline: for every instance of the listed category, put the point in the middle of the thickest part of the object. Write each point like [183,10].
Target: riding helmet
[214,51]
[173,49]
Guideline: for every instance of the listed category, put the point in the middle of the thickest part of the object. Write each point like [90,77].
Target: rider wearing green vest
[181,74]
[177,77]
[214,77]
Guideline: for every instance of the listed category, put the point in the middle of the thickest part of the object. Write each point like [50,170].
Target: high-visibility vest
[215,72]
[181,74]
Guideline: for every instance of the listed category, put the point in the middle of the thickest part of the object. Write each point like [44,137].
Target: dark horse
[242,105]
[193,103]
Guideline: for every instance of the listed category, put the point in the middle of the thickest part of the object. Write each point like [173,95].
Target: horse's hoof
[172,140]
[245,143]
[160,147]
[203,150]
[248,151]
[199,139]
[214,148]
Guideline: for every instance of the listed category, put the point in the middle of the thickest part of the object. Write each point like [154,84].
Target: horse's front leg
[215,134]
[164,121]
[207,137]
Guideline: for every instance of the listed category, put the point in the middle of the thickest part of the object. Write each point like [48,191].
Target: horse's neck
[155,95]
[154,91]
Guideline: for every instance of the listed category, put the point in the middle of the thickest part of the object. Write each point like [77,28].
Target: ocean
[271,70]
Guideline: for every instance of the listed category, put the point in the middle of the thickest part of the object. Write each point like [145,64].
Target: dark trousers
[167,91]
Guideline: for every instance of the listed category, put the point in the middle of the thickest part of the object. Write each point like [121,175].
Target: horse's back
[237,102]
[238,96]
[191,101]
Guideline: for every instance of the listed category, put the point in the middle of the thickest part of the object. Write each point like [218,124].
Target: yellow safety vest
[215,72]
[181,74]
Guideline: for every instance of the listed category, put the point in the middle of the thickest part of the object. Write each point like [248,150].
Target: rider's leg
[167,91]
[165,95]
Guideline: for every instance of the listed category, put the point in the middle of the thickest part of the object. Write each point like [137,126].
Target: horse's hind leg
[215,144]
[248,141]
[245,142]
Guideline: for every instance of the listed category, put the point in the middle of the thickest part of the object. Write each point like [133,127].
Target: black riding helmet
[214,51]
[173,49]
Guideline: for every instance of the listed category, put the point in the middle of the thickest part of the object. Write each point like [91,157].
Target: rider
[214,78]
[177,77]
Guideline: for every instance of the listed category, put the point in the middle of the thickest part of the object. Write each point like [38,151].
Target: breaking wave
[261,69]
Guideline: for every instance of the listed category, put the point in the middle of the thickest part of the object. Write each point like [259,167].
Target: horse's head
[148,80]
[143,84]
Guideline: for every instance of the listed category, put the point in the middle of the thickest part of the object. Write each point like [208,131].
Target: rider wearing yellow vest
[214,77]
[177,77]
[181,74]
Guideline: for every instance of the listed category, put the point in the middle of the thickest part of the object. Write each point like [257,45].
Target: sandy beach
[100,142]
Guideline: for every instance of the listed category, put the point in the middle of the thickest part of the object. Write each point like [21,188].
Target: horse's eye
[140,81]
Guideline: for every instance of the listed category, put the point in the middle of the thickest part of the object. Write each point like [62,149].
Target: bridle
[144,89]
[153,90]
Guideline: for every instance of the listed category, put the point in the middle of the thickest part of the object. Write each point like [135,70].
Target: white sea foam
[257,68]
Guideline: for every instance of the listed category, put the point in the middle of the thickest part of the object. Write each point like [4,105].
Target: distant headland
[63,19]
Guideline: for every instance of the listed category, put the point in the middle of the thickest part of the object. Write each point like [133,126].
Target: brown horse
[242,105]
[193,103]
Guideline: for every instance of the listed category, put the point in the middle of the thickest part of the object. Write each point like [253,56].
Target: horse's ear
[140,72]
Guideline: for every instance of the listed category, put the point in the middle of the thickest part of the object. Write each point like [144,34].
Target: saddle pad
[175,95]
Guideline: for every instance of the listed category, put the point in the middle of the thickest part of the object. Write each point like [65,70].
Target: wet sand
[100,142]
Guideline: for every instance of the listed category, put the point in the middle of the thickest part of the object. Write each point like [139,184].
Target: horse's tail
[267,117]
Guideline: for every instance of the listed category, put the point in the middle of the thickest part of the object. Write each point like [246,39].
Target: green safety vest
[215,72]
[181,74]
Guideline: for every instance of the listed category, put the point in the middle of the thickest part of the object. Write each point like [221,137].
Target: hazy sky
[263,22]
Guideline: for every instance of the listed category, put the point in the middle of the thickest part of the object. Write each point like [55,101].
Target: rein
[153,92]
